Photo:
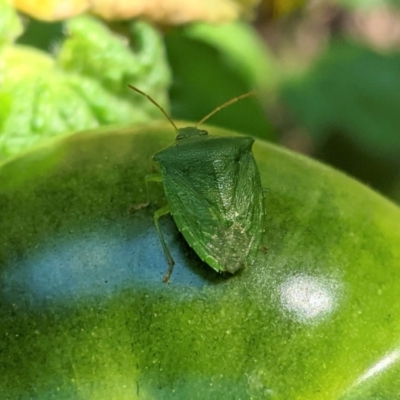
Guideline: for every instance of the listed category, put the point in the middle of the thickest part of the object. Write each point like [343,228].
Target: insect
[214,194]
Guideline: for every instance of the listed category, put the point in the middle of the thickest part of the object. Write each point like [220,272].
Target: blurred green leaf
[353,91]
[10,25]
[249,54]
[42,35]
[365,4]
[85,87]
[92,51]
[212,64]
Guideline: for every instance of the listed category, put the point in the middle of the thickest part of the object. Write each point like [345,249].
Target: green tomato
[84,313]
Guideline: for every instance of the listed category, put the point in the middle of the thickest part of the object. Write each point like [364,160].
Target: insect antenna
[155,103]
[228,103]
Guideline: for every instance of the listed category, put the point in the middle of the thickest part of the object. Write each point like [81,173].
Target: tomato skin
[84,312]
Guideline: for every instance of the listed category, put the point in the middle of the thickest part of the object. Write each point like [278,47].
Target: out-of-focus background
[327,73]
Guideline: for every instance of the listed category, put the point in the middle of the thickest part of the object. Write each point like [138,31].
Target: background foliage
[327,73]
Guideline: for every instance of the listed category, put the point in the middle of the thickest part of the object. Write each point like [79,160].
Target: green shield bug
[214,194]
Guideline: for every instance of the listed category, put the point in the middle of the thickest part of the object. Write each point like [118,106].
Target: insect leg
[148,178]
[151,178]
[159,213]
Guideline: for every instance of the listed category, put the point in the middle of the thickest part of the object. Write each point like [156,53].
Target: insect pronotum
[214,194]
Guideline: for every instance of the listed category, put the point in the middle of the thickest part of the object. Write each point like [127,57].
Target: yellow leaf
[161,11]
[52,10]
